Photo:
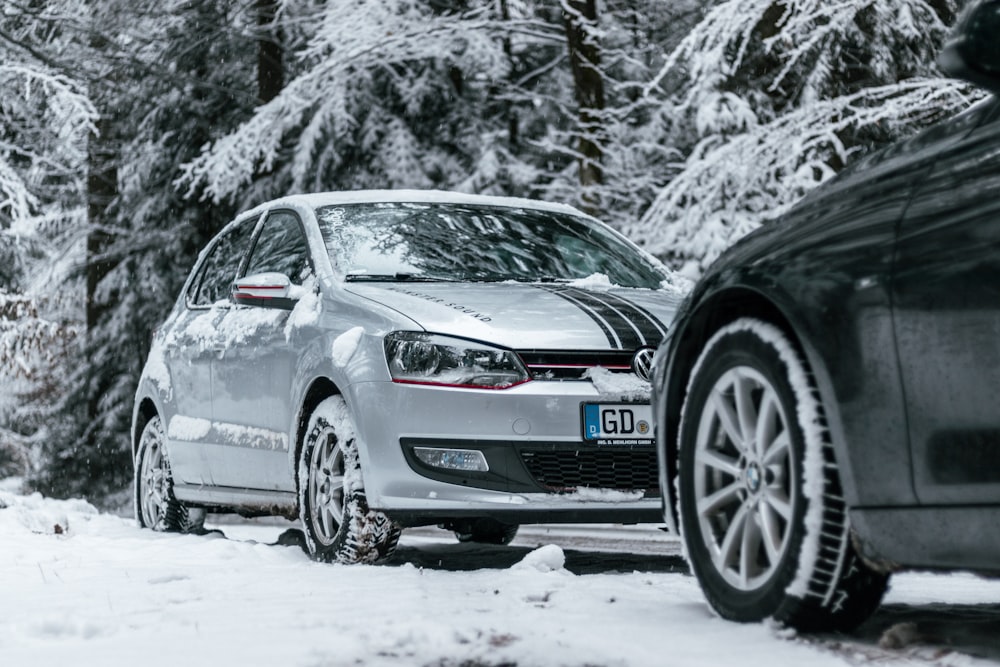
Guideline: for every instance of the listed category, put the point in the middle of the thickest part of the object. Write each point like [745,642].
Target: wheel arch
[711,314]
[320,389]
[145,411]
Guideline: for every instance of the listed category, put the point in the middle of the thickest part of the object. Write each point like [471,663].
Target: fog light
[452,459]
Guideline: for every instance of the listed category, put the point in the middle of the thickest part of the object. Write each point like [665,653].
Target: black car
[828,400]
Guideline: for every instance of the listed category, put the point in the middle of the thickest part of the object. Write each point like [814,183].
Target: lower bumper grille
[620,469]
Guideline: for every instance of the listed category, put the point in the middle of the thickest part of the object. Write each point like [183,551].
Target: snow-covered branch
[715,49]
[797,33]
[731,185]
[355,42]
[48,118]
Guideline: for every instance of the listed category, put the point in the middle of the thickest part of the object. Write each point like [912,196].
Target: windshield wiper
[494,278]
[401,277]
[395,278]
[524,279]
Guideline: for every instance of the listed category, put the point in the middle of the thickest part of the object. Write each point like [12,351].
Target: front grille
[562,365]
[620,469]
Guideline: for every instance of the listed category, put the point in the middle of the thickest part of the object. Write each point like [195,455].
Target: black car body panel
[946,297]
[825,403]
[892,291]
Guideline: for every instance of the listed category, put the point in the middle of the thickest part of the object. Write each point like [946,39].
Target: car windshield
[461,242]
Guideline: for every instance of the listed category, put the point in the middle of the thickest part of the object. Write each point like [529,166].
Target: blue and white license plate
[618,423]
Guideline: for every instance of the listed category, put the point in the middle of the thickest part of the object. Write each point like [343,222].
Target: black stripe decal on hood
[627,326]
[602,322]
[653,329]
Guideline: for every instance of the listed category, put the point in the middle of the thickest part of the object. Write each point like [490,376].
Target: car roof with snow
[316,200]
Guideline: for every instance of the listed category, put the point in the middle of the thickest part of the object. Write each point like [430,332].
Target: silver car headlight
[424,358]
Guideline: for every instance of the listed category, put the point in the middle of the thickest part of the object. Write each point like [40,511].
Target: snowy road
[98,591]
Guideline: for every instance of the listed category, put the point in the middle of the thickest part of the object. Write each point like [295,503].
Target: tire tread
[840,591]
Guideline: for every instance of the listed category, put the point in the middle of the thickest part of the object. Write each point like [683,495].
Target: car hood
[532,316]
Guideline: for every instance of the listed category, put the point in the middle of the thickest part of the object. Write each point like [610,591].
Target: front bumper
[540,468]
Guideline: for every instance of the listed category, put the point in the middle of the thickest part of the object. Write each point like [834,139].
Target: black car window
[281,247]
[216,274]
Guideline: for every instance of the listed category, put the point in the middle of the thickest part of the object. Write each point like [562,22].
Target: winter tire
[762,514]
[338,524]
[487,531]
[155,504]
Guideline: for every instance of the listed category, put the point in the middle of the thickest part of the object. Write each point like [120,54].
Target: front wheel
[153,487]
[338,524]
[761,508]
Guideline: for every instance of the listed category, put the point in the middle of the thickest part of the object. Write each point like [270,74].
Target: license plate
[618,423]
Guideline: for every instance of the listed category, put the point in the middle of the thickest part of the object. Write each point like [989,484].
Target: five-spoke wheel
[326,486]
[155,504]
[745,482]
[761,510]
[338,524]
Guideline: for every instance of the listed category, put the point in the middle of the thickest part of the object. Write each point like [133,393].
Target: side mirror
[265,290]
[972,52]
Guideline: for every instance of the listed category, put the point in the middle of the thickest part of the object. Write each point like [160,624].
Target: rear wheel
[486,531]
[338,524]
[154,501]
[762,514]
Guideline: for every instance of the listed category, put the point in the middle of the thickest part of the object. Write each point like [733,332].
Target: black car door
[946,293]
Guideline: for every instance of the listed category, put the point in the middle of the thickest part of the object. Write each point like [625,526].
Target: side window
[218,271]
[281,247]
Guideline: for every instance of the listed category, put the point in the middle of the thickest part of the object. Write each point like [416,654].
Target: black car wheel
[486,531]
[153,487]
[761,509]
[338,524]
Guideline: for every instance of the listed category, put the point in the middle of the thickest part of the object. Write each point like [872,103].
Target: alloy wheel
[744,478]
[154,479]
[326,487]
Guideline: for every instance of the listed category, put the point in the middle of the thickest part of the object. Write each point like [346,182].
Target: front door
[252,377]
[946,294]
[193,344]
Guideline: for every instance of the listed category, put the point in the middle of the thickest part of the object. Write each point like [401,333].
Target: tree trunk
[580,16]
[513,124]
[102,188]
[270,53]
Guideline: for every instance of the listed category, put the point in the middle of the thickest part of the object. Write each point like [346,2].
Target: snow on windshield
[449,241]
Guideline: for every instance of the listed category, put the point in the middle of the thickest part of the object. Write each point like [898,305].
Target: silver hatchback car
[367,361]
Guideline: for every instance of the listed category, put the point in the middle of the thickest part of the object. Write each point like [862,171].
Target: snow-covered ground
[79,587]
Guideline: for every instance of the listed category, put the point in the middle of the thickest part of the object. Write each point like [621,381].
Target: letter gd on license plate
[618,423]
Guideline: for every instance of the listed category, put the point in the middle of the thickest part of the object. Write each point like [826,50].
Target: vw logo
[642,363]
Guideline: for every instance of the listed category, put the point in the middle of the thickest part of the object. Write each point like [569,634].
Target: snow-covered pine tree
[34,347]
[386,94]
[768,98]
[179,75]
[46,118]
[637,153]
[471,95]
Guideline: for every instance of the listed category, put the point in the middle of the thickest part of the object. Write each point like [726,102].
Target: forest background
[131,131]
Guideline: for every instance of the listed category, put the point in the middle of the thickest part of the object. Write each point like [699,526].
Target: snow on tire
[338,524]
[762,514]
[153,487]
